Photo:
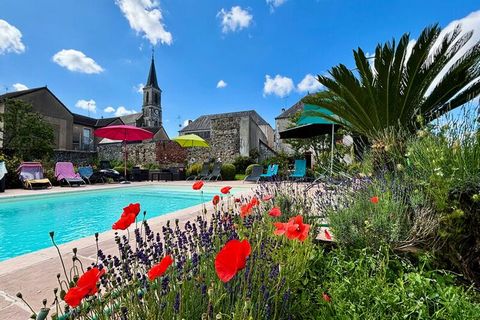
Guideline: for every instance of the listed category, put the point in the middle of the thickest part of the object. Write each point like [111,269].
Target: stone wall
[225,139]
[76,157]
[170,153]
[138,153]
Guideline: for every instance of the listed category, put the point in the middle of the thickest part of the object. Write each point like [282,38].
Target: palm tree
[401,84]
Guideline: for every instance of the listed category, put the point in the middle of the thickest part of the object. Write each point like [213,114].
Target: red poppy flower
[216,199]
[132,209]
[254,201]
[123,223]
[327,235]
[326,297]
[197,185]
[74,296]
[225,190]
[159,269]
[237,200]
[281,228]
[296,229]
[246,210]
[267,198]
[275,212]
[86,285]
[231,259]
[374,200]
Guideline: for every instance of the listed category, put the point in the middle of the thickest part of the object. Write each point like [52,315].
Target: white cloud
[122,111]
[145,16]
[309,84]
[279,86]
[275,3]
[186,123]
[109,110]
[10,39]
[234,20]
[221,84]
[410,45]
[77,61]
[139,88]
[19,86]
[88,105]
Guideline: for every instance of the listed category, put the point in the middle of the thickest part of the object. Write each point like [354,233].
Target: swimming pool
[25,222]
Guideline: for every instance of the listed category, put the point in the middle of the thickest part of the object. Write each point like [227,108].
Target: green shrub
[194,169]
[228,171]
[360,223]
[241,163]
[11,163]
[364,285]
[249,169]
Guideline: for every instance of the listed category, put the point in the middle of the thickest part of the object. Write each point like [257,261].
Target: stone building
[71,131]
[283,122]
[231,135]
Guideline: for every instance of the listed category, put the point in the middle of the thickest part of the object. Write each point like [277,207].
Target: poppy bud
[62,294]
[96,235]
[19,295]
[52,234]
[58,275]
[55,291]
[74,250]
[44,302]
[33,316]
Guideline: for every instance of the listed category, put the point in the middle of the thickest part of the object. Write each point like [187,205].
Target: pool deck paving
[34,274]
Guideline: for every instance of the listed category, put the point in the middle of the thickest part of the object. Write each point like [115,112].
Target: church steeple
[152,76]
[152,99]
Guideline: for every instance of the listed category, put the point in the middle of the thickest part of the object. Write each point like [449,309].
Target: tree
[25,133]
[400,85]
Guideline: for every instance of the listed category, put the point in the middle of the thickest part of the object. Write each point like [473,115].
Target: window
[86,139]
[147,96]
[155,98]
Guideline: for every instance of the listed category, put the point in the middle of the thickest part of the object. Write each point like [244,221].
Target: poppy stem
[61,259]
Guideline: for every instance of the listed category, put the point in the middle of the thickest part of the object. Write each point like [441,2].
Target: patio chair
[31,176]
[300,170]
[271,174]
[257,171]
[65,174]
[216,172]
[202,174]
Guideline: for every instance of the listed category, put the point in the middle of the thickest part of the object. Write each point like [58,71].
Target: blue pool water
[25,222]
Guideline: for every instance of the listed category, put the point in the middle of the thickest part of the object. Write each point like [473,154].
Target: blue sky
[94,53]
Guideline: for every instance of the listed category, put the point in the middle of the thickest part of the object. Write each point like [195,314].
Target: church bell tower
[152,100]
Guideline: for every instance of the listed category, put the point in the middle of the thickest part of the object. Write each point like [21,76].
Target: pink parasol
[124,133]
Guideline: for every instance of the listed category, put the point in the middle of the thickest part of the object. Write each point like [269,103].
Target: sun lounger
[106,171]
[203,174]
[65,174]
[257,171]
[31,176]
[216,172]
[271,174]
[300,170]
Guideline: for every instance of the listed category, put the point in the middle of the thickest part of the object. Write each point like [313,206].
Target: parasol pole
[125,150]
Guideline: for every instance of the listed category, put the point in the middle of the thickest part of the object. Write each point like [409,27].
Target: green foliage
[26,134]
[364,285]
[282,159]
[11,163]
[359,223]
[392,90]
[193,169]
[240,177]
[249,169]
[241,163]
[228,171]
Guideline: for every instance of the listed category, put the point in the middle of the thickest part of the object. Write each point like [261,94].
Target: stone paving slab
[34,274]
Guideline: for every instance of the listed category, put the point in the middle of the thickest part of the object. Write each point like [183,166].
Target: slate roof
[92,122]
[202,123]
[131,119]
[152,76]
[291,111]
[16,94]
